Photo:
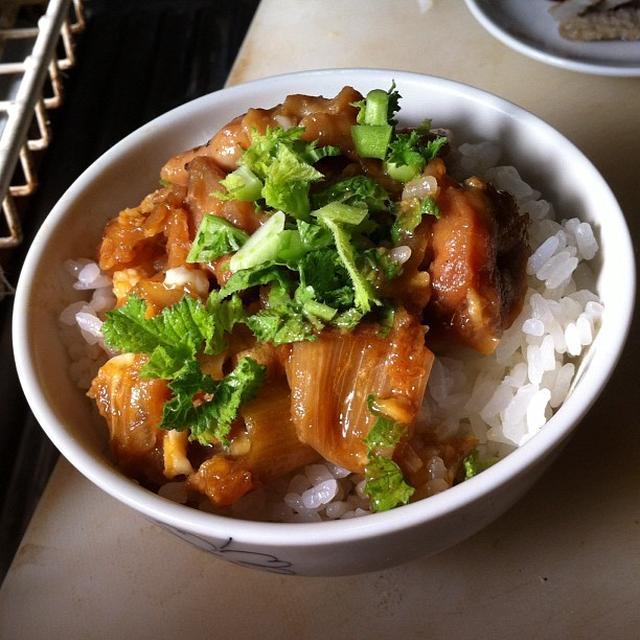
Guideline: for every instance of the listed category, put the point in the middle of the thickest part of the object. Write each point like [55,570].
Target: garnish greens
[473,465]
[215,238]
[278,168]
[409,214]
[321,258]
[173,339]
[210,421]
[384,482]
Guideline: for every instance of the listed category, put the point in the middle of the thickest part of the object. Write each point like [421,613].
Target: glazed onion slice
[331,378]
[268,450]
[132,408]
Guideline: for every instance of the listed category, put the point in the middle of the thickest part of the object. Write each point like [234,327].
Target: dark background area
[136,59]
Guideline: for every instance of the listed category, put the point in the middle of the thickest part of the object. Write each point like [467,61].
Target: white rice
[81,322]
[503,399]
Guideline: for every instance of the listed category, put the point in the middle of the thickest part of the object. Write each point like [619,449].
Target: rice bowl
[473,116]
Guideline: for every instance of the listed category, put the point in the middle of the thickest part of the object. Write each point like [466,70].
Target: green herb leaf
[379,267]
[359,191]
[259,275]
[409,215]
[385,433]
[171,338]
[434,146]
[313,236]
[210,421]
[473,465]
[384,482]
[286,185]
[282,320]
[405,160]
[385,485]
[348,320]
[325,273]
[226,314]
[342,213]
[215,238]
[241,184]
[364,297]
[283,163]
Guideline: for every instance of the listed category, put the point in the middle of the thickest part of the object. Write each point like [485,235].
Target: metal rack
[30,84]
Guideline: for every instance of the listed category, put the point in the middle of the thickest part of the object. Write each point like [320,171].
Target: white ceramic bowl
[123,175]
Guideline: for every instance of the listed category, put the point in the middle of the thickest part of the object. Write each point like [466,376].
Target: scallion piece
[373,133]
[261,246]
[371,141]
[402,172]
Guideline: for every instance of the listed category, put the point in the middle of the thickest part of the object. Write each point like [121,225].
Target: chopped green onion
[263,245]
[402,172]
[376,107]
[371,141]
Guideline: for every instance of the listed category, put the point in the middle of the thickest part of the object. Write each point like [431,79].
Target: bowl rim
[299,535]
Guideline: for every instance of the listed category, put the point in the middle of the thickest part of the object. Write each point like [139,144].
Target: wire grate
[31,60]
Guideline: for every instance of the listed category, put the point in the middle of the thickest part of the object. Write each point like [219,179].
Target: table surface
[562,563]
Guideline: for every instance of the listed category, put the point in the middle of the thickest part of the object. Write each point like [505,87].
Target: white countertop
[563,563]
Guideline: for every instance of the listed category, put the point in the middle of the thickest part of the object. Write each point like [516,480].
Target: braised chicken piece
[331,378]
[203,183]
[132,408]
[327,120]
[152,235]
[479,253]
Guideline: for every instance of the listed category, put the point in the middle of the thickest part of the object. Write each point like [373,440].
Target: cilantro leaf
[404,149]
[385,485]
[313,236]
[215,238]
[434,146]
[210,421]
[264,146]
[357,191]
[312,153]
[409,153]
[284,162]
[393,105]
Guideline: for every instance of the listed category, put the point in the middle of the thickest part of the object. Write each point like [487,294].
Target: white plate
[527,27]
